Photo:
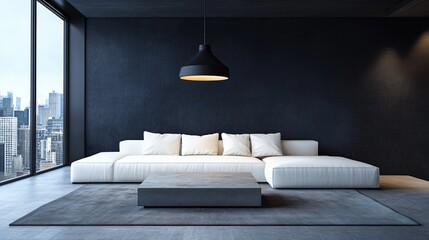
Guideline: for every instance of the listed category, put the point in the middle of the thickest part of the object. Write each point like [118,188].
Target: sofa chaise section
[319,172]
[95,168]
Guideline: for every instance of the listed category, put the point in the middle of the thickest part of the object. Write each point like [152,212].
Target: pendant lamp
[204,66]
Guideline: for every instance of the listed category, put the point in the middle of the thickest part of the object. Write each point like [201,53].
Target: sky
[15,34]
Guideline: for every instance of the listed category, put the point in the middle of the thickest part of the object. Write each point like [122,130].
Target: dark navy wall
[358,86]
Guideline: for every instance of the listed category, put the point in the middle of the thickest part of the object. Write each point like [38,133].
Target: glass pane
[15,88]
[49,89]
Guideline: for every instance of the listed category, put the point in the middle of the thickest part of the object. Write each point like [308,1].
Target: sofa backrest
[290,147]
[300,147]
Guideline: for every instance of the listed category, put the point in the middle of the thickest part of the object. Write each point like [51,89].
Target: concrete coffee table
[199,190]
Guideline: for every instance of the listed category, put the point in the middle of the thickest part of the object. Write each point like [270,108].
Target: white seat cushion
[136,168]
[95,168]
[319,172]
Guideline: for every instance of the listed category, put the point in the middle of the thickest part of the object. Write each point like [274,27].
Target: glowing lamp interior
[203,78]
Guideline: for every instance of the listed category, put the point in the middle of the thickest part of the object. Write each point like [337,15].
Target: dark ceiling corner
[250,8]
[410,8]
[65,7]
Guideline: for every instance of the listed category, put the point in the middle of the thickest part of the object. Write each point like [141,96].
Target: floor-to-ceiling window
[49,88]
[15,85]
[31,34]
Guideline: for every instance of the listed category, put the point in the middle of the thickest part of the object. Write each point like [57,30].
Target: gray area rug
[116,205]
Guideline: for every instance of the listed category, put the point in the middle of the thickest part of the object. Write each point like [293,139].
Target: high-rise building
[54,131]
[49,157]
[24,145]
[17,165]
[57,146]
[1,105]
[62,106]
[40,136]
[7,107]
[23,117]
[55,105]
[18,103]
[42,115]
[7,102]
[54,126]
[45,147]
[8,136]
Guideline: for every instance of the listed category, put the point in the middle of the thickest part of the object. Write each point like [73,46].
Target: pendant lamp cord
[204,22]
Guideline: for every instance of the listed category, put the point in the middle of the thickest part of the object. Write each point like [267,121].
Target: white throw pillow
[161,144]
[236,144]
[200,145]
[264,145]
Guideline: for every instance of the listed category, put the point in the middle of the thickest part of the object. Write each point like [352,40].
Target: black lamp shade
[204,67]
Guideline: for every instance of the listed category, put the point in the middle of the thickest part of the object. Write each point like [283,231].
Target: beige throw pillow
[161,144]
[200,145]
[265,145]
[236,144]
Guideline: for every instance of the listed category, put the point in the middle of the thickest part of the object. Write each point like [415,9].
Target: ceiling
[253,8]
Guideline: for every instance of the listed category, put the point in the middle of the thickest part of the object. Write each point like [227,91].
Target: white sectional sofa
[300,167]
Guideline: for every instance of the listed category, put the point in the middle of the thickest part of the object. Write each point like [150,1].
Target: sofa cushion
[161,144]
[319,172]
[236,144]
[200,145]
[137,168]
[265,145]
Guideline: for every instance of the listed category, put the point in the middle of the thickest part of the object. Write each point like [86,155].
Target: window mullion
[33,107]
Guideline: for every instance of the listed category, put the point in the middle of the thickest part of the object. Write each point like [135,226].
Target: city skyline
[15,137]
[20,105]
[15,51]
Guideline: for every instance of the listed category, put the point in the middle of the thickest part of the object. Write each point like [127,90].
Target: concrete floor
[405,194]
